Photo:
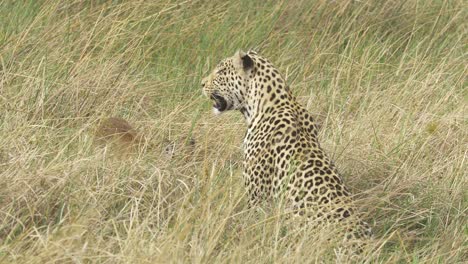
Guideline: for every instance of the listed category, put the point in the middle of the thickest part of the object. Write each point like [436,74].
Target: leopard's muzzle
[219,102]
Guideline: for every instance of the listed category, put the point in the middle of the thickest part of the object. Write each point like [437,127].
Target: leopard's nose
[204,84]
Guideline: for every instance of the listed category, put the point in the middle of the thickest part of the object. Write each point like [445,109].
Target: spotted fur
[282,155]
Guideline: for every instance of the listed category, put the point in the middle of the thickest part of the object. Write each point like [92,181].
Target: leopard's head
[227,84]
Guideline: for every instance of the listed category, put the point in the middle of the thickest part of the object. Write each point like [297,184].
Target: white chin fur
[216,111]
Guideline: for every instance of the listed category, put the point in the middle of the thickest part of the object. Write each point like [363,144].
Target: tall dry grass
[385,79]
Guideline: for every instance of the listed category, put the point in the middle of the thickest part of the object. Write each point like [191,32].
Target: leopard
[282,157]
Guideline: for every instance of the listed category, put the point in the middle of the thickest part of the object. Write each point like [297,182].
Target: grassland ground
[386,81]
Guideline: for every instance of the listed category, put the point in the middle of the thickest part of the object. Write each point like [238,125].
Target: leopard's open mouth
[219,102]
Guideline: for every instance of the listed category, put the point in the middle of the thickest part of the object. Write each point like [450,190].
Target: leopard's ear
[243,60]
[252,51]
[247,62]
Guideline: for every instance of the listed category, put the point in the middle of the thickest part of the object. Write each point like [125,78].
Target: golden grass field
[386,81]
